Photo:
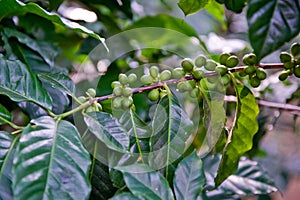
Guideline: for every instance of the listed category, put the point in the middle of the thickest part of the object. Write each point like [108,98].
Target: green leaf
[20,85]
[189,178]
[272,23]
[135,126]
[108,130]
[191,6]
[7,150]
[4,114]
[59,86]
[249,179]
[102,187]
[213,120]
[235,5]
[126,196]
[217,12]
[146,183]
[240,138]
[51,162]
[167,22]
[46,50]
[14,7]
[171,128]
[59,81]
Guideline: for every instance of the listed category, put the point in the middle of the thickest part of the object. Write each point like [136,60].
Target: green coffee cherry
[118,91]
[254,81]
[251,59]
[223,58]
[200,61]
[295,49]
[132,78]
[82,99]
[297,71]
[162,94]
[187,65]
[154,71]
[261,74]
[221,69]
[285,57]
[117,102]
[232,61]
[198,73]
[195,92]
[127,91]
[123,79]
[288,65]
[178,73]
[298,61]
[186,86]
[242,74]
[283,75]
[127,102]
[165,75]
[153,95]
[250,69]
[210,65]
[91,92]
[245,59]
[90,109]
[115,84]
[225,80]
[147,79]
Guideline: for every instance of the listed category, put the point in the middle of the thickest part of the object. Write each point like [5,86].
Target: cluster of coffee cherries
[256,75]
[91,93]
[154,77]
[123,91]
[291,62]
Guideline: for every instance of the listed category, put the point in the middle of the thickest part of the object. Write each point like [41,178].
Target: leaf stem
[11,124]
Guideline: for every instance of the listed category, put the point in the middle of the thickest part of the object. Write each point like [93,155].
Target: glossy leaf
[7,150]
[165,21]
[235,5]
[102,187]
[59,81]
[51,162]
[126,196]
[47,51]
[135,125]
[143,181]
[189,178]
[59,86]
[21,85]
[240,138]
[4,114]
[250,178]
[108,130]
[213,120]
[14,7]
[171,128]
[272,23]
[191,6]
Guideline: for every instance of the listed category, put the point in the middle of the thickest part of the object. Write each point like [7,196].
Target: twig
[281,106]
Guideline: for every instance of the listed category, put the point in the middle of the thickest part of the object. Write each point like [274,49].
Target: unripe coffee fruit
[153,95]
[187,65]
[200,61]
[154,71]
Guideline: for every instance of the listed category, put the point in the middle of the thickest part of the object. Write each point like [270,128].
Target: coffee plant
[83,117]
